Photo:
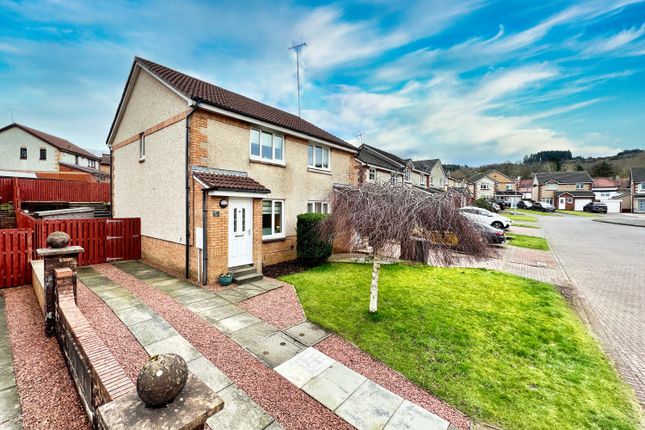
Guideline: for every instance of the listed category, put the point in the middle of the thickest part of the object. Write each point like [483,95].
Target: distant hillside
[553,161]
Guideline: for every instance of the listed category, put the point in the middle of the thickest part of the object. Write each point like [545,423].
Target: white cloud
[616,42]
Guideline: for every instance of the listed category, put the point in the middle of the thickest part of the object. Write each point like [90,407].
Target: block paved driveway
[605,264]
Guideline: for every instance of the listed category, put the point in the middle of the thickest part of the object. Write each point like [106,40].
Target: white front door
[240,232]
[563,203]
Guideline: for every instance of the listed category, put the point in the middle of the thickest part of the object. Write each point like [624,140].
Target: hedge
[311,248]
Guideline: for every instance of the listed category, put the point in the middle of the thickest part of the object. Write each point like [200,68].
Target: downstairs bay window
[272,219]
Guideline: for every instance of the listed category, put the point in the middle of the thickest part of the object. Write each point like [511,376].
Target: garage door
[613,206]
[580,203]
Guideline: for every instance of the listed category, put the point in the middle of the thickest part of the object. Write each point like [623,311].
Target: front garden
[505,350]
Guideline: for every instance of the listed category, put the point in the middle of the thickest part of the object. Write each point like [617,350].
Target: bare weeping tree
[386,216]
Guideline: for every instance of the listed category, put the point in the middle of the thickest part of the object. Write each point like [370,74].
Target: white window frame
[580,186]
[371,176]
[641,186]
[422,179]
[509,187]
[260,157]
[552,186]
[24,148]
[314,160]
[569,200]
[273,234]
[483,186]
[548,200]
[311,206]
[407,175]
[142,146]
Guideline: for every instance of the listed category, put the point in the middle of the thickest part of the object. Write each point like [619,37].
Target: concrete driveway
[606,265]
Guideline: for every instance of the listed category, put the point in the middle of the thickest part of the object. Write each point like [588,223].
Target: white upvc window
[393,177]
[484,186]
[641,186]
[272,219]
[267,146]
[569,199]
[552,186]
[318,157]
[548,200]
[422,180]
[142,147]
[580,186]
[406,175]
[509,187]
[318,207]
[372,174]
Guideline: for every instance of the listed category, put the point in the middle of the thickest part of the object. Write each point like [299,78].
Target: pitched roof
[58,142]
[477,176]
[564,177]
[637,174]
[377,157]
[604,183]
[425,165]
[526,183]
[219,97]
[576,193]
[106,159]
[85,169]
[223,182]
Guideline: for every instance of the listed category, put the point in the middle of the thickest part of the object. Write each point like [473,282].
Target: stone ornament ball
[58,239]
[161,379]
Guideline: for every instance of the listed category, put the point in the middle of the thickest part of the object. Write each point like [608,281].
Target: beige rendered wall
[150,103]
[12,139]
[437,177]
[228,148]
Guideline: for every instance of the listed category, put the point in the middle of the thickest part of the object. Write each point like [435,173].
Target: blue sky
[470,82]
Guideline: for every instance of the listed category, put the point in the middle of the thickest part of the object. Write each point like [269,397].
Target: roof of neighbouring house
[477,176]
[576,193]
[377,157]
[604,183]
[232,182]
[85,169]
[526,183]
[426,165]
[106,159]
[219,97]
[564,177]
[58,142]
[637,174]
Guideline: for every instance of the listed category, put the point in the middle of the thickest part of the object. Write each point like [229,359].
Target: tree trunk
[376,267]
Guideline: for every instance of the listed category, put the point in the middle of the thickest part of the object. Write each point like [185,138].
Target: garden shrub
[483,203]
[311,247]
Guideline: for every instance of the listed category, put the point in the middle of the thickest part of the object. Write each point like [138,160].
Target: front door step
[245,274]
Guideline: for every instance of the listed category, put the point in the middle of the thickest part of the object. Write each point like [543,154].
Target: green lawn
[525,241]
[503,349]
[529,212]
[519,224]
[521,218]
[578,213]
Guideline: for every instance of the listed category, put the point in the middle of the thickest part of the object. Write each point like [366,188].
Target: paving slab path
[10,410]
[352,397]
[158,337]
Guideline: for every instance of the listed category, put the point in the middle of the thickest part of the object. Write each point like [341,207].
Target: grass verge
[578,213]
[521,218]
[525,225]
[503,349]
[524,241]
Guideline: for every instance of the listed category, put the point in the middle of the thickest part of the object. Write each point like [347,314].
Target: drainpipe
[111,184]
[204,238]
[188,173]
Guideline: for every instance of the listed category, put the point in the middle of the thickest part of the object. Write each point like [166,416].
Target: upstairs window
[407,175]
[23,153]
[43,153]
[318,207]
[484,186]
[580,186]
[372,176]
[552,186]
[642,186]
[267,146]
[422,180]
[318,157]
[142,146]
[509,187]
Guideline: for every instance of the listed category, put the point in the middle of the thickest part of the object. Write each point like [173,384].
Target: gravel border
[291,407]
[127,351]
[47,394]
[279,307]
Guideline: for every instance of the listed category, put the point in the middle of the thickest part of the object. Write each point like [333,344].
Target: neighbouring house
[637,189]
[377,165]
[26,149]
[104,164]
[217,178]
[605,188]
[456,183]
[494,184]
[525,188]
[564,190]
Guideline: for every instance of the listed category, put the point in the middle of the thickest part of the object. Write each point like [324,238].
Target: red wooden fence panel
[6,190]
[16,249]
[87,233]
[53,190]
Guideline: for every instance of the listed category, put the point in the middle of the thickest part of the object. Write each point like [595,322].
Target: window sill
[316,170]
[268,162]
[274,239]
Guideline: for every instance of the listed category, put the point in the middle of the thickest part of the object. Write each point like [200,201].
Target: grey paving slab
[308,333]
[240,412]
[369,407]
[253,333]
[221,312]
[99,288]
[274,426]
[209,374]
[249,291]
[186,289]
[305,366]
[135,314]
[5,355]
[14,424]
[195,295]
[236,322]
[152,330]
[166,282]
[9,404]
[231,295]
[204,305]
[175,344]
[6,376]
[334,385]
[123,302]
[113,293]
[412,417]
[265,285]
[171,286]
[275,349]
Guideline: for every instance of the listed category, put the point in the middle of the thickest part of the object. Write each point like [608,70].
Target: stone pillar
[57,258]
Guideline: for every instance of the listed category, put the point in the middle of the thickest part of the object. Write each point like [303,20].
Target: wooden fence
[16,250]
[53,190]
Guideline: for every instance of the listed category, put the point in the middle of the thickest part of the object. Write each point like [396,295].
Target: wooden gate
[15,254]
[123,240]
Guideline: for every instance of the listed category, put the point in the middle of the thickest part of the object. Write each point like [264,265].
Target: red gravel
[279,307]
[291,407]
[359,361]
[48,396]
[127,351]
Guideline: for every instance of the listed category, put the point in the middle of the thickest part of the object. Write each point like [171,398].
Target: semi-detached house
[564,190]
[217,178]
